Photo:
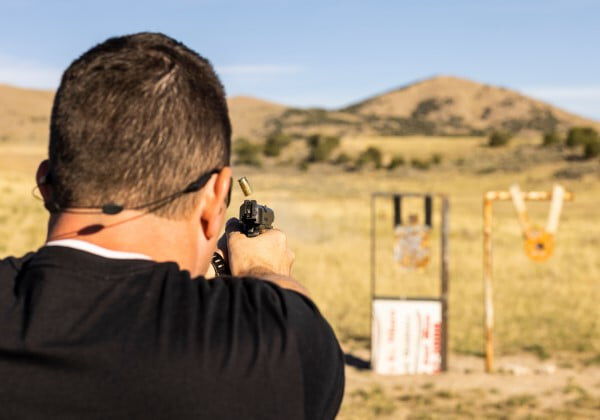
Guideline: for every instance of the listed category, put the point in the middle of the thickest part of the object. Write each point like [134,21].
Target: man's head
[135,119]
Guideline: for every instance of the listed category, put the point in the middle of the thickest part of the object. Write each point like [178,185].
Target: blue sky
[329,53]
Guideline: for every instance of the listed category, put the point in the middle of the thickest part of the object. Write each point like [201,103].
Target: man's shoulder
[10,267]
[252,295]
[267,308]
[13,265]
[264,295]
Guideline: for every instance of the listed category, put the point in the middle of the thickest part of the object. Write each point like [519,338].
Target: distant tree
[246,152]
[592,149]
[370,156]
[551,139]
[397,160]
[321,147]
[275,143]
[580,136]
[499,139]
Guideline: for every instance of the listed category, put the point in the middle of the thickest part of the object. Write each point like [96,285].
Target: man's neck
[140,233]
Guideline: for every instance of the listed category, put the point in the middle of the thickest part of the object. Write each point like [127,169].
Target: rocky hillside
[437,106]
[450,105]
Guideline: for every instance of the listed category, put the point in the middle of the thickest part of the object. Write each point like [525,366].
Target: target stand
[539,244]
[409,335]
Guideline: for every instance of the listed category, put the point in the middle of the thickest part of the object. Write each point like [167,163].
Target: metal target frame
[444,275]
[489,198]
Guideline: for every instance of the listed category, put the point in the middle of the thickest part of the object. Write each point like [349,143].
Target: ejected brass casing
[245,186]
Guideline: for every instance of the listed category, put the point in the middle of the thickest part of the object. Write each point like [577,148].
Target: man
[112,318]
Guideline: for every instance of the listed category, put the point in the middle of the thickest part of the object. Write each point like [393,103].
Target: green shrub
[420,164]
[371,155]
[396,161]
[321,147]
[592,149]
[436,158]
[246,152]
[275,143]
[580,136]
[460,162]
[574,172]
[499,139]
[551,139]
[538,350]
[303,166]
[342,159]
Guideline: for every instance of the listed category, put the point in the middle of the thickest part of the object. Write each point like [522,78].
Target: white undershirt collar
[97,250]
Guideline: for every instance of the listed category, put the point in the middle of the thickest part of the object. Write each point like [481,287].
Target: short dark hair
[137,118]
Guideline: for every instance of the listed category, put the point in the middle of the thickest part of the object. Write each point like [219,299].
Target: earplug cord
[113,208]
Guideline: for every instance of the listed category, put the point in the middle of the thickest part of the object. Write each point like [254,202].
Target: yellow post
[487,285]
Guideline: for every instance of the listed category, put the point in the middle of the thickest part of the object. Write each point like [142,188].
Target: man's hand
[267,253]
[266,256]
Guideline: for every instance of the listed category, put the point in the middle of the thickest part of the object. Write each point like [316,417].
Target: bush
[420,164]
[551,139]
[436,158]
[275,143]
[303,166]
[580,136]
[342,159]
[247,153]
[592,149]
[371,155]
[396,161]
[460,162]
[321,147]
[499,139]
[573,172]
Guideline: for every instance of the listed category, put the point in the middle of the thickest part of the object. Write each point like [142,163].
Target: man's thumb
[233,225]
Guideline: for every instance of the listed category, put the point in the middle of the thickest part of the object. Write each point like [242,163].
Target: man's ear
[215,203]
[42,180]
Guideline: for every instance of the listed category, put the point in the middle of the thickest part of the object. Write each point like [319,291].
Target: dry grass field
[547,314]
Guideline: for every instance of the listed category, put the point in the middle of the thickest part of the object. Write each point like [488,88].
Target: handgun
[255,217]
[255,220]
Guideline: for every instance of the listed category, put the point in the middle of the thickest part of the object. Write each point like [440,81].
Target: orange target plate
[539,245]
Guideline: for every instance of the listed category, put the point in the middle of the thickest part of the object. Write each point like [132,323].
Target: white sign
[406,336]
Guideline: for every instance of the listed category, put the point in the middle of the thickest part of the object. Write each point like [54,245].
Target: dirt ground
[566,386]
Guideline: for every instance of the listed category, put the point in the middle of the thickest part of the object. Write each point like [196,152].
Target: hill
[24,114]
[441,105]
[249,115]
[450,105]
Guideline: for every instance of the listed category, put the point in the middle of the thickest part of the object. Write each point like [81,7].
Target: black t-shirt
[82,336]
